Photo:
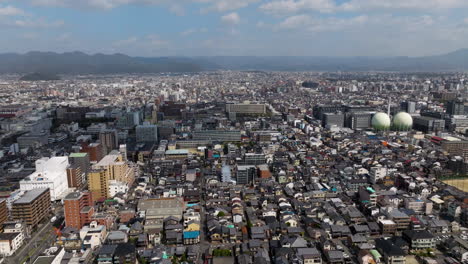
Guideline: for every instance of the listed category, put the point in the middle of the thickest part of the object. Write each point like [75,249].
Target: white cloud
[10,11]
[231,19]
[308,23]
[36,23]
[192,31]
[295,6]
[125,42]
[360,5]
[285,7]
[225,5]
[175,6]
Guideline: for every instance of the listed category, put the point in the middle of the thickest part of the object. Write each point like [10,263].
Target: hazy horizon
[191,28]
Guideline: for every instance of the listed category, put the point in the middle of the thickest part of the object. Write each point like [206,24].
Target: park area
[461,184]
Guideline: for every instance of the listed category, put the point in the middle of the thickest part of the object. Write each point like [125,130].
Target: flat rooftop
[30,196]
[78,155]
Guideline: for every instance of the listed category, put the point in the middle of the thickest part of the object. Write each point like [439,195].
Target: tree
[221,214]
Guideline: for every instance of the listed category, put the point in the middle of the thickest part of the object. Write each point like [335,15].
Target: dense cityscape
[235,167]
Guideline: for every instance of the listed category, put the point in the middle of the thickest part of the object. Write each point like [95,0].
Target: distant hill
[81,63]
[37,76]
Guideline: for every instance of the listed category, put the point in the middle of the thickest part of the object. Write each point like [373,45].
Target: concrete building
[428,124]
[359,120]
[377,173]
[455,107]
[162,208]
[245,174]
[247,109]
[10,242]
[330,119]
[147,133]
[109,140]
[32,207]
[218,135]
[50,173]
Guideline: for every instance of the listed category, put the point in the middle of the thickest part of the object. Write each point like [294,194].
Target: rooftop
[31,195]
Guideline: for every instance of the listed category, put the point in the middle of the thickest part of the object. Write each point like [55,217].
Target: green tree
[221,214]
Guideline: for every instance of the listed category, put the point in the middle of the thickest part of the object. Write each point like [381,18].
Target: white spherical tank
[402,121]
[381,121]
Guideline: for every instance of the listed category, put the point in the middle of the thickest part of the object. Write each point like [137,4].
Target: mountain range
[82,63]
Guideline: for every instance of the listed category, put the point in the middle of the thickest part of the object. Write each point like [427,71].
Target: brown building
[94,150]
[75,177]
[32,207]
[388,226]
[3,213]
[74,204]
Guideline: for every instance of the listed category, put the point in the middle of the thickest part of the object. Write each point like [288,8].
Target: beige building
[113,167]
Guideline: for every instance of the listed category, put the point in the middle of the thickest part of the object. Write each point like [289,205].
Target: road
[33,246]
[40,240]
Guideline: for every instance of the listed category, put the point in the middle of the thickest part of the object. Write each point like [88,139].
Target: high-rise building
[98,183]
[3,213]
[408,107]
[94,150]
[78,161]
[109,140]
[76,213]
[112,167]
[75,177]
[50,173]
[32,207]
[455,107]
[245,174]
[147,133]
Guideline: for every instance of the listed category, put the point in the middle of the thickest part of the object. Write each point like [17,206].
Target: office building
[109,140]
[455,147]
[254,159]
[80,160]
[408,107]
[76,207]
[218,135]
[246,109]
[32,207]
[95,151]
[245,174]
[359,120]
[147,133]
[428,124]
[455,107]
[50,173]
[330,119]
[320,110]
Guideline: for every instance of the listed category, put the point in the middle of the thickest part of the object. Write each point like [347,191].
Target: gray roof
[31,195]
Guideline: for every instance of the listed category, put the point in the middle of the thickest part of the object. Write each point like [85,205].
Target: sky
[155,28]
